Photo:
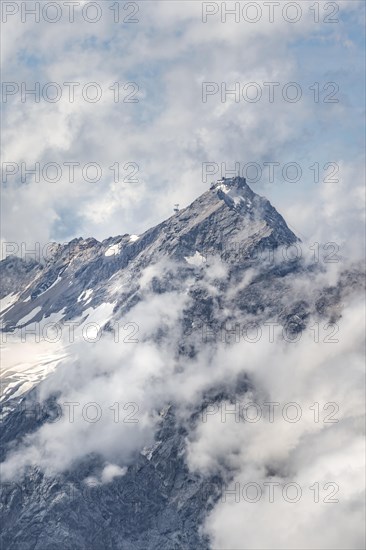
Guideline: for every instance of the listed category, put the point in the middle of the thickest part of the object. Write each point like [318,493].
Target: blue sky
[170,132]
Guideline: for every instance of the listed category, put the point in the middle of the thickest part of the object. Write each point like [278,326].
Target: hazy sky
[163,61]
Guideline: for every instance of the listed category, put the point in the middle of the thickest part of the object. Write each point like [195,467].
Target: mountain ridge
[192,286]
[210,224]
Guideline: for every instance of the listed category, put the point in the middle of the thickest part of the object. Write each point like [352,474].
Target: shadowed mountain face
[223,256]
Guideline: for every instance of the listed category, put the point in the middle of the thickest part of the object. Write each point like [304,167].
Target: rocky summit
[228,260]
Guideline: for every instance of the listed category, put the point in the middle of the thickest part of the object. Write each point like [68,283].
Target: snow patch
[47,289]
[85,296]
[113,250]
[235,196]
[134,238]
[224,188]
[7,301]
[96,318]
[149,451]
[30,316]
[25,363]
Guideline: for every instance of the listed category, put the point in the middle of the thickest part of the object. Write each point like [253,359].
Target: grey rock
[158,504]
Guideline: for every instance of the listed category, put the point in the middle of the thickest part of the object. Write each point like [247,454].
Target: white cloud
[169,53]
[111,395]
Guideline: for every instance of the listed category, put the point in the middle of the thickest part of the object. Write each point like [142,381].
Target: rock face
[158,503]
[234,221]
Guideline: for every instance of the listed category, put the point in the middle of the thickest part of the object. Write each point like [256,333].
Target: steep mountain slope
[218,221]
[190,289]
[87,281]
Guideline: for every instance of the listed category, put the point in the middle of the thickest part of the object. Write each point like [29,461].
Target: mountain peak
[235,192]
[229,221]
[237,182]
[230,215]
